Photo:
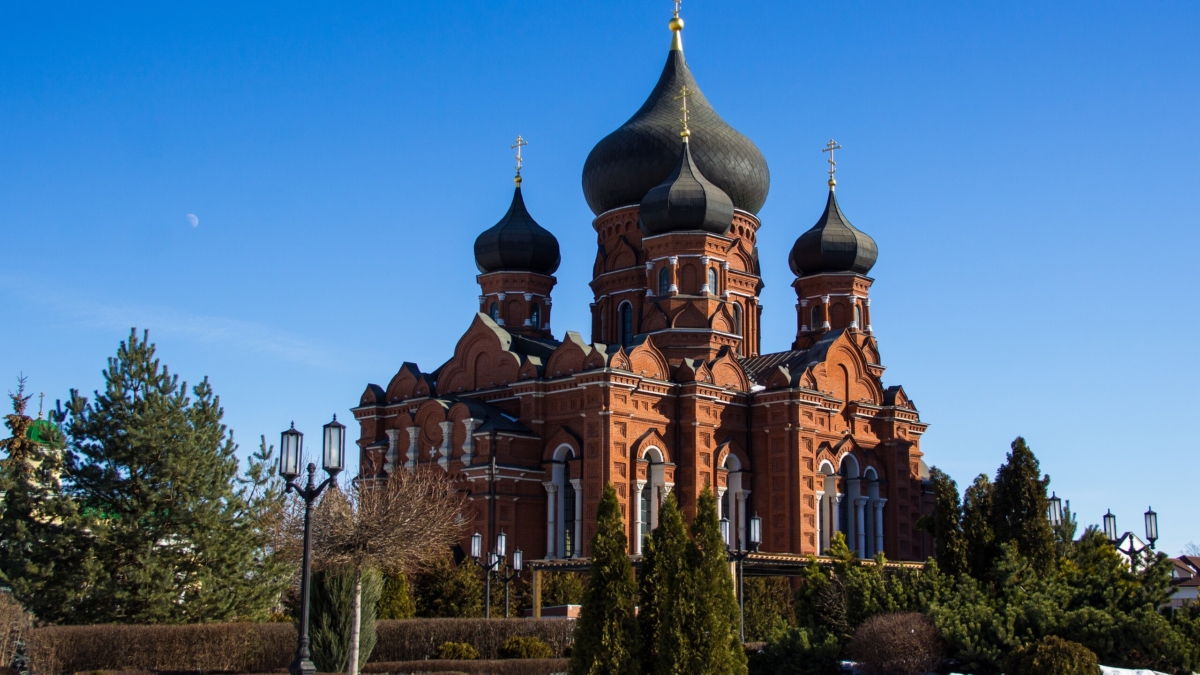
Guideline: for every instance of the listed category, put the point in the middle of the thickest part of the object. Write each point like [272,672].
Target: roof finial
[830,147]
[521,142]
[684,93]
[676,26]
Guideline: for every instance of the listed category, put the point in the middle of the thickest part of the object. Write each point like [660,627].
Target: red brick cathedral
[671,393]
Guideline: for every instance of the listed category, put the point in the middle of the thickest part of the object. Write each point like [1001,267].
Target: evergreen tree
[606,633]
[333,598]
[662,604]
[770,607]
[179,536]
[43,548]
[1020,505]
[951,548]
[445,590]
[977,528]
[712,625]
[395,600]
[1064,532]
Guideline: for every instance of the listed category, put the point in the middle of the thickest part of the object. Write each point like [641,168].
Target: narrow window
[737,325]
[664,281]
[818,316]
[494,312]
[712,281]
[645,509]
[569,519]
[725,513]
[858,317]
[626,323]
[535,316]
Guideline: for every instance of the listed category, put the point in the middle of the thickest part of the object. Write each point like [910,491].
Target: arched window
[494,312]
[625,321]
[644,520]
[535,316]
[818,316]
[737,325]
[569,521]
[858,317]
[712,281]
[664,281]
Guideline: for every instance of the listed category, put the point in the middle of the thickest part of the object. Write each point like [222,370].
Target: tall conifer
[179,535]
[1019,509]
[977,528]
[662,605]
[606,633]
[712,625]
[947,524]
[43,548]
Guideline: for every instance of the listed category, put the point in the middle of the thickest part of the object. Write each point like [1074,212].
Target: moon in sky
[193,219]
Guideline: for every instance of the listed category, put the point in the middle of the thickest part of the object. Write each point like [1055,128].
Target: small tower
[516,259]
[831,261]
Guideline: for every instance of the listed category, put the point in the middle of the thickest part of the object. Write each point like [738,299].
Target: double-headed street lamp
[1132,550]
[291,450]
[738,555]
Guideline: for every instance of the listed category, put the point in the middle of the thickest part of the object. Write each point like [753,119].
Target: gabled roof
[759,368]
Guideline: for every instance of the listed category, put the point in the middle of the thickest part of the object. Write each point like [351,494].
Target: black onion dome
[517,243]
[833,245]
[627,163]
[686,200]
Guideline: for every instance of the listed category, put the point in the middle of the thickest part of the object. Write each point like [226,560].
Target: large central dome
[635,158]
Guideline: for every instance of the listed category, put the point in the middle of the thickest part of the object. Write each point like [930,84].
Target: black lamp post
[508,576]
[738,555]
[291,446]
[488,567]
[1132,550]
[1055,513]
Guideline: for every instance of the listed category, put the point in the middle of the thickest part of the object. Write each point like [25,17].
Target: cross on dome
[684,93]
[521,142]
[830,147]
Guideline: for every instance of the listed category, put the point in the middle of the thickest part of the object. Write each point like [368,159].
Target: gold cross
[830,147]
[684,93]
[521,142]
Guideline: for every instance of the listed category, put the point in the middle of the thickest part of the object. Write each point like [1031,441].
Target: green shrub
[797,651]
[396,601]
[332,603]
[1053,656]
[456,651]
[525,647]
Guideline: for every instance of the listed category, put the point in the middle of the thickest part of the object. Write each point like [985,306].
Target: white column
[720,502]
[820,522]
[410,458]
[468,447]
[867,313]
[551,511]
[447,438]
[835,517]
[705,288]
[860,530]
[637,517]
[879,524]
[674,260]
[853,317]
[393,451]
[577,551]
[825,319]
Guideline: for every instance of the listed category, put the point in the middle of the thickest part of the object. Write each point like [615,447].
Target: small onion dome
[833,245]
[630,161]
[517,243]
[686,200]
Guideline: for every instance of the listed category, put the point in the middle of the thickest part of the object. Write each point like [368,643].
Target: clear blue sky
[1029,170]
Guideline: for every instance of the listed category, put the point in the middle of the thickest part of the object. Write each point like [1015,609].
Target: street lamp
[494,558]
[508,577]
[1056,512]
[738,555]
[1133,550]
[291,447]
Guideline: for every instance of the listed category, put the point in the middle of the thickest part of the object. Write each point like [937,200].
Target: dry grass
[507,667]
[15,625]
[904,643]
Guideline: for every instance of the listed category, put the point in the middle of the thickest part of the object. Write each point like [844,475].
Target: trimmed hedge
[510,667]
[263,647]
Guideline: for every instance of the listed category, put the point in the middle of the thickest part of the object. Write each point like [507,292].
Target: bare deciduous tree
[391,524]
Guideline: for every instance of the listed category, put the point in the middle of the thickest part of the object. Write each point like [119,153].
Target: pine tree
[662,605]
[179,536]
[978,536]
[44,553]
[712,626]
[1020,505]
[606,633]
[951,548]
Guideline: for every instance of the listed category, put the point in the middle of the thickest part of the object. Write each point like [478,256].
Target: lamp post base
[303,666]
